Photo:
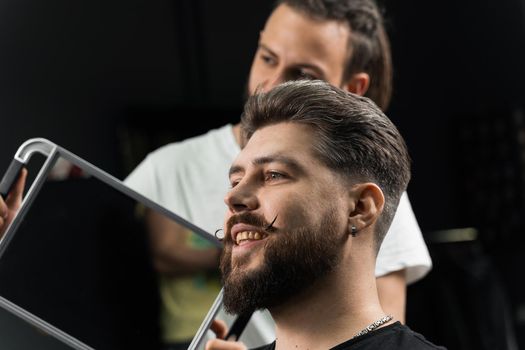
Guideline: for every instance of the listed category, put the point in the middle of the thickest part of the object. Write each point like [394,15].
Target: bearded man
[313,193]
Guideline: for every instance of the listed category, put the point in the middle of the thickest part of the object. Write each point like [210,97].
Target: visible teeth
[248,235]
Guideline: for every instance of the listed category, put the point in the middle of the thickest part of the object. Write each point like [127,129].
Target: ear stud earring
[353,231]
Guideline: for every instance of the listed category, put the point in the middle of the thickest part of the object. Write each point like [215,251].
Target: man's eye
[273,176]
[269,60]
[300,74]
[305,75]
[234,183]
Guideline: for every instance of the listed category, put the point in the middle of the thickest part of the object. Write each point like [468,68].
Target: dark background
[112,80]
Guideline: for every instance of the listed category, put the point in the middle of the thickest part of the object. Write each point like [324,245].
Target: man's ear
[358,83]
[369,202]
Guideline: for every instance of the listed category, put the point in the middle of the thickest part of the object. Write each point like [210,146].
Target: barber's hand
[220,329]
[10,206]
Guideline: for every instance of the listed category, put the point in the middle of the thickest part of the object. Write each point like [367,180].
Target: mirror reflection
[94,263]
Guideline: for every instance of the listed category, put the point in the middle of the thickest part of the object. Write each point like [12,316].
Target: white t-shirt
[190,178]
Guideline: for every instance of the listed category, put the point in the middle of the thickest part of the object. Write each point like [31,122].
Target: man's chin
[240,273]
[247,263]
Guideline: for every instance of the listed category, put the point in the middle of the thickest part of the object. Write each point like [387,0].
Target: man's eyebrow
[266,48]
[290,162]
[287,161]
[313,67]
[234,169]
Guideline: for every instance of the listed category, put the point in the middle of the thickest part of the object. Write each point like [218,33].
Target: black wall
[455,63]
[110,80]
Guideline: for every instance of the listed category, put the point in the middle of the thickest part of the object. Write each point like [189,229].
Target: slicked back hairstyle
[352,135]
[369,46]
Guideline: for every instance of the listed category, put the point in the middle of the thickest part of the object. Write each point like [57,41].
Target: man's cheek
[290,214]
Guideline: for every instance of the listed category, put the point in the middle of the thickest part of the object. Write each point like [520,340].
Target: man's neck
[329,313]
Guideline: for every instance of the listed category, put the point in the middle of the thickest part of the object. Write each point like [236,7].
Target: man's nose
[275,79]
[241,198]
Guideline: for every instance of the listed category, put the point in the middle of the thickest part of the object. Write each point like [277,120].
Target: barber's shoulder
[194,145]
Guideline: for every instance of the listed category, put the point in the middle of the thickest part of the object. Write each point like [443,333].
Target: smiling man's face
[277,178]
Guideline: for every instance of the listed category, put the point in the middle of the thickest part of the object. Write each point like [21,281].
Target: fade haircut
[368,46]
[352,136]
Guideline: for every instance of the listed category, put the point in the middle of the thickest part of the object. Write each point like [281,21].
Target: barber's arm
[10,205]
[392,293]
[171,253]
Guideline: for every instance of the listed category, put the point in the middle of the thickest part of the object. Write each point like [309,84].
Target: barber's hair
[353,137]
[369,46]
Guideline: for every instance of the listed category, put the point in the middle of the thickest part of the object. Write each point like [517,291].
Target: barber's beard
[292,262]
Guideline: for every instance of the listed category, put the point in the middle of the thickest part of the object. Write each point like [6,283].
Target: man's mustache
[249,219]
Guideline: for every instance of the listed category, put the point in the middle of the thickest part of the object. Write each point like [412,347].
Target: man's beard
[291,264]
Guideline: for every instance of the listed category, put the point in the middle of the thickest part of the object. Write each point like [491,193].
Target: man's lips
[242,232]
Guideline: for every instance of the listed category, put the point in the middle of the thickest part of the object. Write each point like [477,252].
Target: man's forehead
[286,143]
[282,135]
[286,21]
